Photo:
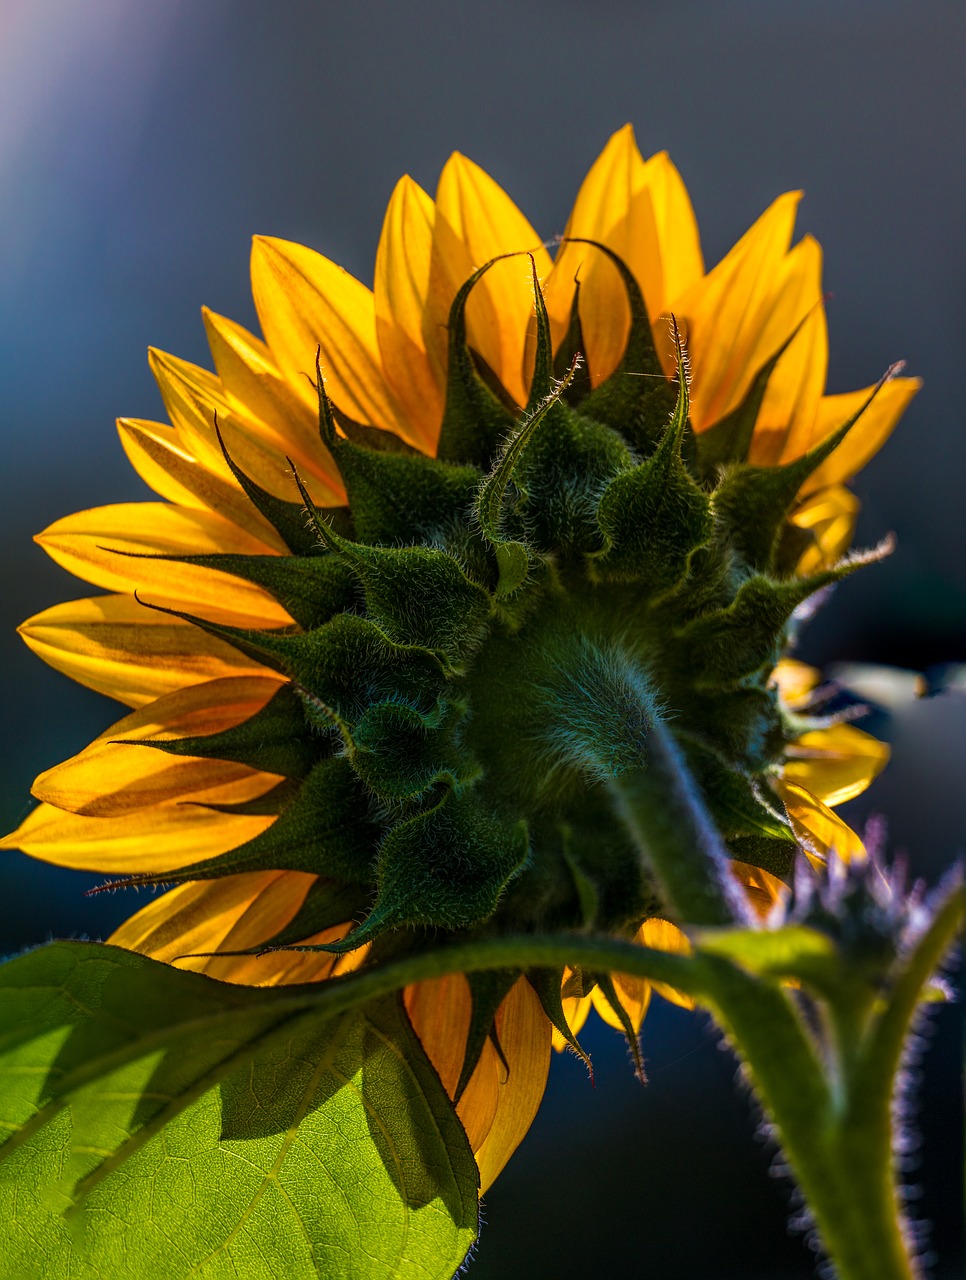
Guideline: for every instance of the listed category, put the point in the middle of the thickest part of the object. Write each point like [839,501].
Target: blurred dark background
[142,145]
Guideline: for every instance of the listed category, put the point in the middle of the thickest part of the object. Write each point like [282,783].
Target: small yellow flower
[386,355]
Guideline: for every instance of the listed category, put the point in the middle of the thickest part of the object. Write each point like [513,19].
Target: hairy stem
[664,811]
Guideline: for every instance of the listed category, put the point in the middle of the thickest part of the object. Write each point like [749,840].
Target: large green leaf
[166,1125]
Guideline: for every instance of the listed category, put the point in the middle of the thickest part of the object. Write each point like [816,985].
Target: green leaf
[164,1125]
[791,951]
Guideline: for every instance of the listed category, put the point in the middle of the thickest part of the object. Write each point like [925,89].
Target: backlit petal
[762,888]
[524,1034]
[635,997]
[155,451]
[440,1010]
[815,825]
[254,387]
[196,400]
[730,316]
[795,681]
[601,212]
[576,1011]
[487,221]
[669,258]
[664,936]
[829,514]
[415,365]
[162,838]
[867,436]
[304,302]
[91,544]
[232,914]
[114,774]
[127,651]
[786,419]
[834,764]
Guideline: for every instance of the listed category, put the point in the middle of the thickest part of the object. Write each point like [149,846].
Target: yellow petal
[867,436]
[162,838]
[156,453]
[601,212]
[91,544]
[114,774]
[487,221]
[675,261]
[635,997]
[664,936]
[641,210]
[834,764]
[129,652]
[524,1035]
[415,368]
[763,889]
[729,316]
[254,387]
[195,400]
[304,302]
[829,514]
[786,419]
[816,827]
[232,914]
[576,1011]
[795,681]
[440,1010]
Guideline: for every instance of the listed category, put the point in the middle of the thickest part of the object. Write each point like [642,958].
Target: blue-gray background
[140,147]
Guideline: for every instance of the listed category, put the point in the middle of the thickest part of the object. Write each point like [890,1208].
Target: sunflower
[409,542]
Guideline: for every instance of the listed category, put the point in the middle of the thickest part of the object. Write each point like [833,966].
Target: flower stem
[667,817]
[831,1103]
[838,1146]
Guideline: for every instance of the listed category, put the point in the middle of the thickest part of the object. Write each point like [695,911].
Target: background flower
[139,153]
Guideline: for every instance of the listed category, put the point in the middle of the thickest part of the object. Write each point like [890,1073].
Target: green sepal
[312,588]
[444,868]
[563,468]
[347,665]
[275,739]
[606,984]
[774,856]
[588,893]
[751,503]
[655,516]
[399,498]
[474,420]
[736,802]
[547,984]
[729,439]
[268,805]
[488,989]
[571,346]
[416,595]
[328,903]
[400,754]
[287,518]
[328,829]
[558,475]
[731,644]
[395,496]
[637,397]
